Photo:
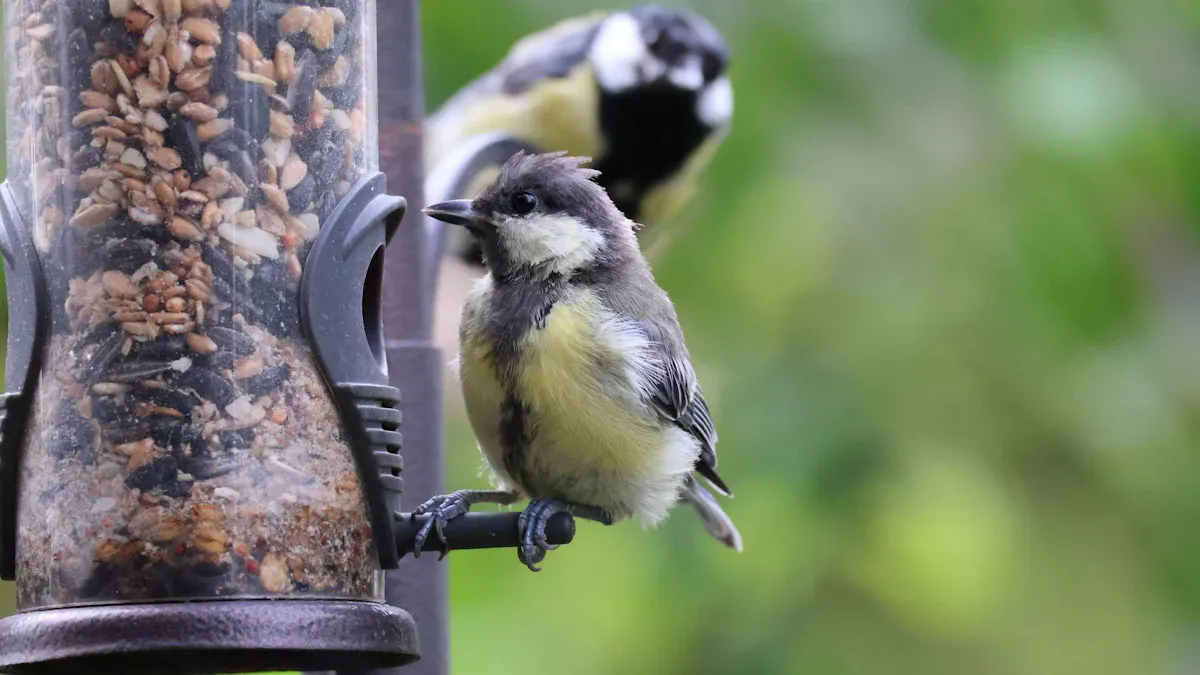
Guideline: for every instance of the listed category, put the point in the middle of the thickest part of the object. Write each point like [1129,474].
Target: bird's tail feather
[715,519]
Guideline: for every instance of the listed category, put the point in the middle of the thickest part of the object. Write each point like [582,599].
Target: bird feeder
[200,448]
[199,436]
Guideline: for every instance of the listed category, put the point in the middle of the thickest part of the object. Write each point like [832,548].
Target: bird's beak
[456,212]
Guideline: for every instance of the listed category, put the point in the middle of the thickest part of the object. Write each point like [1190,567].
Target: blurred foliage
[941,289]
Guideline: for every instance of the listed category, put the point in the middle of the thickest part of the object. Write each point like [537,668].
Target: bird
[573,366]
[644,91]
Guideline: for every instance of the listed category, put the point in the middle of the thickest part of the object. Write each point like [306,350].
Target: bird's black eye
[523,203]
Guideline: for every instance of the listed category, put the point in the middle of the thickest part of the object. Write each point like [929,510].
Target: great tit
[577,381]
[643,91]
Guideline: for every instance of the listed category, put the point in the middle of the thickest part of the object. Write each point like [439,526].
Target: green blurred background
[943,290]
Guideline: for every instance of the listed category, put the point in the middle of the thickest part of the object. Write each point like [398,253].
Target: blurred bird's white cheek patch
[715,105]
[619,55]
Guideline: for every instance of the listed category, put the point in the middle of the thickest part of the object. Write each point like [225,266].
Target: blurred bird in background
[643,91]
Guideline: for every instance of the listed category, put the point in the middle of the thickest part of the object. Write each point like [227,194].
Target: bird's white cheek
[715,106]
[563,242]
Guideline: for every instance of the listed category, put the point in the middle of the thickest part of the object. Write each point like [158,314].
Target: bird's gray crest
[545,167]
[557,178]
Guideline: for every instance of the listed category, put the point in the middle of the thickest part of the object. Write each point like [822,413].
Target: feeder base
[200,638]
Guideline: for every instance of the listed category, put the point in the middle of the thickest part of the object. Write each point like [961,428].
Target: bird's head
[652,46]
[543,216]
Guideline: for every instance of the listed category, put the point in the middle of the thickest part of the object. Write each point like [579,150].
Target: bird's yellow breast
[573,380]
[587,429]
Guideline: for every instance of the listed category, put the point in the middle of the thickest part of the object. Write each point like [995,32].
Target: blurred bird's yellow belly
[556,114]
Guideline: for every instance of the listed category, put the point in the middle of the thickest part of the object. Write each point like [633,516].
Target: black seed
[169,432]
[328,203]
[209,385]
[169,347]
[270,379]
[201,580]
[220,261]
[304,88]
[114,40]
[89,11]
[231,340]
[237,147]
[156,474]
[97,334]
[124,431]
[167,397]
[78,61]
[208,467]
[158,580]
[132,371]
[331,168]
[178,489]
[101,360]
[301,196]
[126,255]
[326,59]
[181,135]
[73,436]
[208,569]
[86,157]
[220,361]
[250,108]
[238,296]
[118,229]
[108,411]
[316,143]
[99,584]
[345,96]
[231,23]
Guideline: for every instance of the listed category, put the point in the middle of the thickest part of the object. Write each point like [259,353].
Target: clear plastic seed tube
[173,160]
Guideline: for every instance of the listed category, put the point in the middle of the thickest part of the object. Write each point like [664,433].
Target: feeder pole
[415,365]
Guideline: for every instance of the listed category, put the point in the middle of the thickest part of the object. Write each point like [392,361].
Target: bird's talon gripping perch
[531,527]
[442,509]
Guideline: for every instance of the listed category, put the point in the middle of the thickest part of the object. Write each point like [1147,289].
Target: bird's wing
[548,54]
[677,397]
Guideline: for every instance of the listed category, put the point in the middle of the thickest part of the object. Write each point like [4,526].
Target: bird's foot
[531,527]
[444,508]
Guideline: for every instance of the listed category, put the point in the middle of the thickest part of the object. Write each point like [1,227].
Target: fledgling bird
[573,366]
[643,91]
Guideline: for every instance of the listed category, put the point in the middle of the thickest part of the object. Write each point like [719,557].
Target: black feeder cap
[201,638]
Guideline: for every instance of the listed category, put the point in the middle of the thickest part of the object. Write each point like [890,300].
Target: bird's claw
[442,509]
[531,530]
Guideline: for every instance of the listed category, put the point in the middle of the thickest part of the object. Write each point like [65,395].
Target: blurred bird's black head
[680,39]
[543,216]
[664,92]
[652,45]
